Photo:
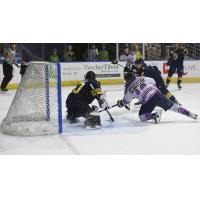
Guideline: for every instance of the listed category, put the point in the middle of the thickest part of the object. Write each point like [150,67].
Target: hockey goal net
[36,107]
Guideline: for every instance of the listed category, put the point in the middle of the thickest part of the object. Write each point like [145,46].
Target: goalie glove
[120,103]
[103,103]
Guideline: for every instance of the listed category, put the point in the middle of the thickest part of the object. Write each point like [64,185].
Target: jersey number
[137,91]
[78,88]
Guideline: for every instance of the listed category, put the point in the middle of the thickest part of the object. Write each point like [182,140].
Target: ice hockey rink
[176,134]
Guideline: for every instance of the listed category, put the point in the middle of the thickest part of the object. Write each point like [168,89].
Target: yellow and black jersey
[181,52]
[86,91]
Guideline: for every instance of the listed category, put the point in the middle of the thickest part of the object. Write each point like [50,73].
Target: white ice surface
[176,134]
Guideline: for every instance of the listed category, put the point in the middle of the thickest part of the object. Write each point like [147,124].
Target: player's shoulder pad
[157,70]
[94,83]
[154,69]
[96,87]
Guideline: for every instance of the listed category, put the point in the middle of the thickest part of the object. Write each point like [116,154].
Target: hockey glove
[120,103]
[103,103]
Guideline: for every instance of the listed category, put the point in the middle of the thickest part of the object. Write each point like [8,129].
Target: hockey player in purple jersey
[145,90]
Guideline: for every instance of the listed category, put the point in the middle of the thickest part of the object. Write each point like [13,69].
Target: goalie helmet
[90,75]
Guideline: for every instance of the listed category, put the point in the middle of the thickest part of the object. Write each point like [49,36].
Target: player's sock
[168,81]
[183,111]
[172,98]
[179,82]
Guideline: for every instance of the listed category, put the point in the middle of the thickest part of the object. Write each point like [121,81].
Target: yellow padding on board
[112,82]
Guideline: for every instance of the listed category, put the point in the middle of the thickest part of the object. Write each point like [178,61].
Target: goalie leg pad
[92,122]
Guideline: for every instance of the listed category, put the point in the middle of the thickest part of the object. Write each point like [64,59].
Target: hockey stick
[111,118]
[107,109]
[115,62]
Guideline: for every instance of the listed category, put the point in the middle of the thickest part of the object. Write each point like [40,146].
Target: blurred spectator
[1,52]
[128,57]
[163,50]
[69,54]
[54,56]
[137,52]
[1,49]
[91,54]
[158,52]
[103,54]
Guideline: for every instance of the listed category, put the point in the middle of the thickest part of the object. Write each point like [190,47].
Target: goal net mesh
[34,109]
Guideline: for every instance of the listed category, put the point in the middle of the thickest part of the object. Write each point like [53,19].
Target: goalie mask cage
[36,108]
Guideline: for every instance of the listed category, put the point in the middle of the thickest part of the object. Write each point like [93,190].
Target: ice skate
[193,116]
[179,86]
[157,116]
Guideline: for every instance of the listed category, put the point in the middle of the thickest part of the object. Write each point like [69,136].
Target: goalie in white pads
[145,90]
[78,101]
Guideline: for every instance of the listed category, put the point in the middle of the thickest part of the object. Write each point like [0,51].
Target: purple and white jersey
[142,88]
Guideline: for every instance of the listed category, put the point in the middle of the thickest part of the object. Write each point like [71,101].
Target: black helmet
[139,61]
[90,75]
[131,69]
[129,75]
